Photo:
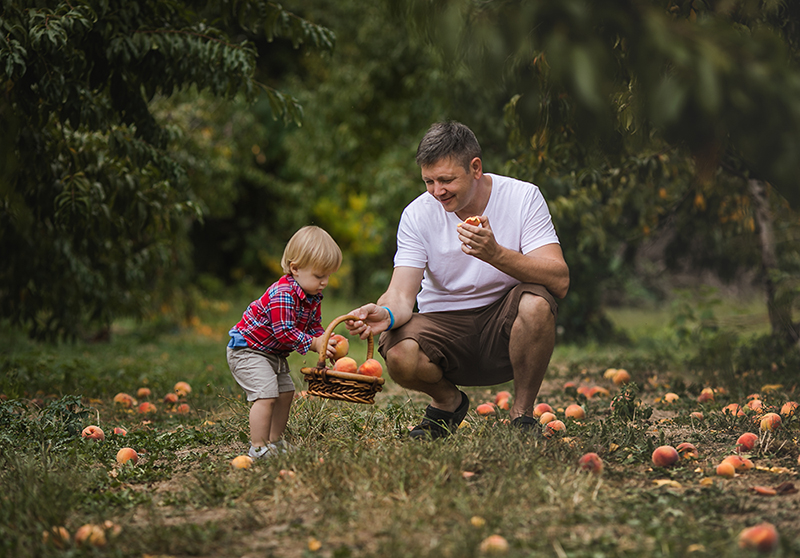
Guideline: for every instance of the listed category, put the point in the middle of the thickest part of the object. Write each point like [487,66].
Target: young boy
[286,318]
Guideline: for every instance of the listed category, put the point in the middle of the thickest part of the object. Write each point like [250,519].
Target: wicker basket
[333,384]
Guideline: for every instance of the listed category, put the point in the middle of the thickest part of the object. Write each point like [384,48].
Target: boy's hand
[330,350]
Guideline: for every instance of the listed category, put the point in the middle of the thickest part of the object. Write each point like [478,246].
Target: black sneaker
[527,424]
[439,424]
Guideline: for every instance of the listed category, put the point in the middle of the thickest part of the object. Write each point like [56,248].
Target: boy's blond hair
[312,247]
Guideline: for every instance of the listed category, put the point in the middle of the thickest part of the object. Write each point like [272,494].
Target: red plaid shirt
[283,320]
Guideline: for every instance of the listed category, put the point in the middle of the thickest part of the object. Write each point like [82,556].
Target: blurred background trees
[143,156]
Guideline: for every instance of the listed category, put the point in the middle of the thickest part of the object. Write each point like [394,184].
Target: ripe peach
[755,405]
[120,431]
[733,409]
[171,398]
[501,395]
[575,411]
[485,409]
[621,377]
[697,415]
[146,408]
[475,221]
[789,408]
[591,462]
[599,391]
[547,417]
[665,456]
[124,400]
[762,537]
[143,392]
[738,463]
[127,454]
[726,469]
[541,409]
[609,373]
[93,432]
[671,397]
[182,388]
[504,404]
[342,346]
[494,545]
[746,442]
[586,391]
[770,421]
[242,462]
[182,409]
[90,534]
[569,385]
[57,536]
[346,364]
[551,428]
[706,395]
[687,450]
[371,367]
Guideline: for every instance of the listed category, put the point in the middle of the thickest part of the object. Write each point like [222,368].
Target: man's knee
[534,312]
[407,364]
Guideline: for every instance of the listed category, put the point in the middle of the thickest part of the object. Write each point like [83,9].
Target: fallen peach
[494,545]
[485,409]
[733,409]
[57,536]
[575,411]
[552,428]
[182,388]
[697,415]
[621,377]
[755,405]
[183,409]
[609,373]
[746,442]
[739,464]
[90,534]
[127,454]
[671,397]
[591,462]
[120,431]
[171,398]
[143,392]
[762,537]
[726,469]
[706,395]
[547,417]
[765,490]
[124,400]
[789,408]
[770,421]
[146,408]
[599,391]
[687,450]
[665,456]
[501,395]
[371,367]
[584,390]
[93,432]
[541,409]
[242,462]
[342,346]
[503,404]
[346,364]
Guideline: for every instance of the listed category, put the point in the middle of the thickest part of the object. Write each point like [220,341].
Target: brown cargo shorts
[470,346]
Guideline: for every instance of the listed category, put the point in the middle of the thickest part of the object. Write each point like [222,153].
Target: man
[485,291]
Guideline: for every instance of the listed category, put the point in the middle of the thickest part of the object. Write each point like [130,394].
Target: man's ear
[476,167]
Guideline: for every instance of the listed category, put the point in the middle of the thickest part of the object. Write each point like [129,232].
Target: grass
[353,487]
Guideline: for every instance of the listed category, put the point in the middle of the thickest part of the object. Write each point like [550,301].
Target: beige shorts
[470,346]
[261,375]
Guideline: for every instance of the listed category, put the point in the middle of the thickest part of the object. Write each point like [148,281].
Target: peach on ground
[93,432]
[746,442]
[146,408]
[182,388]
[665,456]
[503,404]
[770,421]
[584,390]
[143,392]
[575,411]
[541,409]
[547,417]
[591,462]
[621,377]
[346,364]
[687,450]
[125,400]
[57,536]
[342,346]
[765,491]
[501,395]
[570,384]
[697,415]
[552,427]
[706,395]
[733,409]
[477,521]
[598,391]
[494,545]
[671,397]
[171,398]
[125,455]
[755,405]
[485,409]
[789,408]
[609,373]
[739,464]
[90,534]
[726,469]
[120,431]
[371,367]
[242,462]
[762,537]
[183,409]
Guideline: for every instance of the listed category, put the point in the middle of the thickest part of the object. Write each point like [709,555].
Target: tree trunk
[780,316]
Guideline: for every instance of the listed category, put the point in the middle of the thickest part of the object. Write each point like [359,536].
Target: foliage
[93,208]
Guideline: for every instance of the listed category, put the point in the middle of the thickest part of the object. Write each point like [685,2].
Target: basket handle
[329,331]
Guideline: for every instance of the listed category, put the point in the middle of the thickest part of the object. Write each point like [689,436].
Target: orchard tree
[632,114]
[94,208]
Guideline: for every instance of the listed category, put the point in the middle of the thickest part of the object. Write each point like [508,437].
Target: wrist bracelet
[391,318]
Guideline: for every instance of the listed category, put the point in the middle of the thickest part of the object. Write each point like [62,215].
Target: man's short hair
[445,140]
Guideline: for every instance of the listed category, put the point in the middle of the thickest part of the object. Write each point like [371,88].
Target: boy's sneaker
[263,452]
[439,424]
[283,446]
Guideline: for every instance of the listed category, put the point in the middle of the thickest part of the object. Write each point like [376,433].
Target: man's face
[451,184]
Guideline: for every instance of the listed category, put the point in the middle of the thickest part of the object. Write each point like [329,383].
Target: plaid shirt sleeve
[282,316]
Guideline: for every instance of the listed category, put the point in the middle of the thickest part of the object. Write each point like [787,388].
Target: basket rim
[317,371]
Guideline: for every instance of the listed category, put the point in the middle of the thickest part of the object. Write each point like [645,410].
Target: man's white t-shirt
[427,238]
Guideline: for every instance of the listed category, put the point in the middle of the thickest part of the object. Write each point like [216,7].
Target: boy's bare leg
[280,415]
[533,337]
[410,368]
[261,416]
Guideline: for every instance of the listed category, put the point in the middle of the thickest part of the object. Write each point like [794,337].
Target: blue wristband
[391,318]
